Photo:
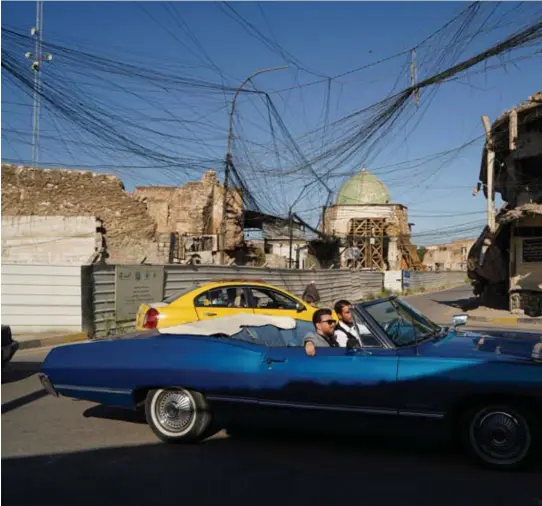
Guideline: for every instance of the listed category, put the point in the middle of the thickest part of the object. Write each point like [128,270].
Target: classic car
[483,388]
[222,298]
[9,345]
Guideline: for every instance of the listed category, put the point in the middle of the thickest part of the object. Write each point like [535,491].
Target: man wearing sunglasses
[323,335]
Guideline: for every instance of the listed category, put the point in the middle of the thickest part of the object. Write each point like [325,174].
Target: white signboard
[135,285]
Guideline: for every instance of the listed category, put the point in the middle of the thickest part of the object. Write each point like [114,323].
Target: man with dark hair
[346,332]
[324,327]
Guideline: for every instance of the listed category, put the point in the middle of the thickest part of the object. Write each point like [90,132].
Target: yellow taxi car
[222,298]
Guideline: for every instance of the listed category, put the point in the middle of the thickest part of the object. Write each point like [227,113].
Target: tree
[421,252]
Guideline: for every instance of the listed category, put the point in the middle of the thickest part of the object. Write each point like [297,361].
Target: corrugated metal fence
[99,287]
[41,298]
[414,280]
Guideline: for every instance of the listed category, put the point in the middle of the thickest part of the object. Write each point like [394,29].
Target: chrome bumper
[47,385]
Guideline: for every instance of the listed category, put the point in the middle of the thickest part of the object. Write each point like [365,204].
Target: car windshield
[271,336]
[402,323]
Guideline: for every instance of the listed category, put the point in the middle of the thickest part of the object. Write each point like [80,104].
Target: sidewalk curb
[52,341]
[505,320]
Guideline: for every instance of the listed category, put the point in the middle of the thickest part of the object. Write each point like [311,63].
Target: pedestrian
[311,294]
[323,335]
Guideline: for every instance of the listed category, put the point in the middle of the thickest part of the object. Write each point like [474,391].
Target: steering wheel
[393,327]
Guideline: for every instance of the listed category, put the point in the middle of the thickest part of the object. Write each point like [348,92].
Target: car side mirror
[300,307]
[459,319]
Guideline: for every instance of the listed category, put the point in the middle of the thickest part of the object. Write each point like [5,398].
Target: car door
[362,381]
[222,301]
[266,301]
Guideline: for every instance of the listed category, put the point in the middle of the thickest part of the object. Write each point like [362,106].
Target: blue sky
[326,39]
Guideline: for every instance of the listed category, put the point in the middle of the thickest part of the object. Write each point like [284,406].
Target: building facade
[450,256]
[374,232]
[505,264]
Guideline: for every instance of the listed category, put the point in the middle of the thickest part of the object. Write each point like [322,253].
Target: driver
[324,326]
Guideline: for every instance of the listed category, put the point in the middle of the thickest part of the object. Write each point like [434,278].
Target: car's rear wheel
[500,436]
[177,415]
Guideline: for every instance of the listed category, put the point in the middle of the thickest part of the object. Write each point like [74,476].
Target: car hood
[490,345]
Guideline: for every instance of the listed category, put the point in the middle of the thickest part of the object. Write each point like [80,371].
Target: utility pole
[37,57]
[291,237]
[490,175]
[229,157]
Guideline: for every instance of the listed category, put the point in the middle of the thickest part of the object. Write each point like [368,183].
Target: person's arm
[310,349]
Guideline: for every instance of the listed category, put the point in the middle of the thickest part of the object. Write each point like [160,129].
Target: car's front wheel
[177,415]
[500,436]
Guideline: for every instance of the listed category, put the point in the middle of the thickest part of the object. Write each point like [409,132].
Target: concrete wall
[41,298]
[393,281]
[282,249]
[416,280]
[52,240]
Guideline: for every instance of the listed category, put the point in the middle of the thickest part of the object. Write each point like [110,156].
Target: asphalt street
[65,452]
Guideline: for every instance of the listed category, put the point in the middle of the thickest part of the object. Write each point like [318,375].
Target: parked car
[9,346]
[484,388]
[222,298]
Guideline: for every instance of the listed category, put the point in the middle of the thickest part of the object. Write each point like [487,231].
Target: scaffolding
[368,235]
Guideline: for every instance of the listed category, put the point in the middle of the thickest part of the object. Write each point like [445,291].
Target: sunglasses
[329,322]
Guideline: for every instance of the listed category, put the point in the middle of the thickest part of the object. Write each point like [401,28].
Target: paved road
[441,306]
[64,452]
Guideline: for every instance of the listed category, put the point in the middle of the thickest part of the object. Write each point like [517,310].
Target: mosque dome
[363,188]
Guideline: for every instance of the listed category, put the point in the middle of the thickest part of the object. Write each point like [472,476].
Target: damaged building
[154,224]
[192,215]
[505,263]
[374,233]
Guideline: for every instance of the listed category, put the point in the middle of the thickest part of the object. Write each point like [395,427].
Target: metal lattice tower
[37,58]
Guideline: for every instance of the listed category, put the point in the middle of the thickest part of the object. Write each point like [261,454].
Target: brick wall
[130,230]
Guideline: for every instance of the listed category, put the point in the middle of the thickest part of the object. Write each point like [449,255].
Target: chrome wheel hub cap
[174,410]
[501,437]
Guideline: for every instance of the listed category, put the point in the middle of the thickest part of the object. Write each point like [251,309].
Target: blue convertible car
[486,388]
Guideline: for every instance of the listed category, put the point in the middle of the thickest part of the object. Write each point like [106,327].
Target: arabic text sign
[135,285]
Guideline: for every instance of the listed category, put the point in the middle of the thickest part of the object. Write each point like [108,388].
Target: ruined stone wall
[130,230]
[397,224]
[195,208]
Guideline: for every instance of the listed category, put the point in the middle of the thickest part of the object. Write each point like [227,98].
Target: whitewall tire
[177,415]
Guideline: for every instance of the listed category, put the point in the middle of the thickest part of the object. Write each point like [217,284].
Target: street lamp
[229,157]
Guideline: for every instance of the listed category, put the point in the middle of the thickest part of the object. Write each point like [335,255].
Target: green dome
[363,188]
